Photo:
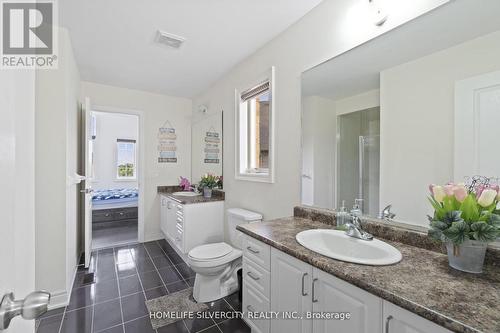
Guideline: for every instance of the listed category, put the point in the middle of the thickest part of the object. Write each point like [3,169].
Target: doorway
[115,178]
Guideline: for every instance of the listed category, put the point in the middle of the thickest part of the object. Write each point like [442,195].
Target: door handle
[387,323]
[314,300]
[31,307]
[303,284]
[87,191]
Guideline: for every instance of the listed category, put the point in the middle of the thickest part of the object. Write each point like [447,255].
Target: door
[332,295]
[17,198]
[398,320]
[88,149]
[290,292]
[477,122]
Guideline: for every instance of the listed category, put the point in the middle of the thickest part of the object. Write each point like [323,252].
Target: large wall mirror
[417,105]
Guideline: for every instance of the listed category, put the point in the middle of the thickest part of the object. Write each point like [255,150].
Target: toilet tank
[237,216]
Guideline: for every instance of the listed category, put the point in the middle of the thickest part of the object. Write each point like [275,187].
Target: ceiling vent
[170,40]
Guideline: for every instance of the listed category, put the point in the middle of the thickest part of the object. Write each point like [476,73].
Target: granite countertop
[168,190]
[422,282]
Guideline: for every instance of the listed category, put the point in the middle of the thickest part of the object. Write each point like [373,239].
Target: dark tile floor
[125,277]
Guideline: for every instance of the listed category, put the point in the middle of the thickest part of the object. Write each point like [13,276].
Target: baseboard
[154,237]
[61,298]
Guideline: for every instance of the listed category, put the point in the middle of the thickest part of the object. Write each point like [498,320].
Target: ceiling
[113,40]
[358,70]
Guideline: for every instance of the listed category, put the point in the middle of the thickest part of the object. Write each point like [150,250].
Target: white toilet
[216,264]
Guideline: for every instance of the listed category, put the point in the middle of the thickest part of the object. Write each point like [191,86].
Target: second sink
[337,245]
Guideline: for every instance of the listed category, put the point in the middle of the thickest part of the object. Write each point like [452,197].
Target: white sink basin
[337,245]
[186,194]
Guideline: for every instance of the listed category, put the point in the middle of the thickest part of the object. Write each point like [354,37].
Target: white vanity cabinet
[335,295]
[398,320]
[189,225]
[277,282]
[290,292]
[297,286]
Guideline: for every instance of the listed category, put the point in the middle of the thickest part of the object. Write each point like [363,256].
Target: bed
[115,198]
[113,206]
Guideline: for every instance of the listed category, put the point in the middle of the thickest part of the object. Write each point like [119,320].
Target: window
[125,159]
[255,131]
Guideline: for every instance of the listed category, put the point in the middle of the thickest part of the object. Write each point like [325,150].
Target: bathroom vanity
[187,222]
[419,294]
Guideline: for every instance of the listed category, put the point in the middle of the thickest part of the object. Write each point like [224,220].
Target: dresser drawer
[102,215]
[257,277]
[255,302]
[257,252]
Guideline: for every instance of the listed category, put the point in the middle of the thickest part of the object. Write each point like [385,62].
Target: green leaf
[439,211]
[458,232]
[484,232]
[469,208]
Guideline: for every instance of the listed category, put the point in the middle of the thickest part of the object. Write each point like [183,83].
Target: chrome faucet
[354,229]
[386,213]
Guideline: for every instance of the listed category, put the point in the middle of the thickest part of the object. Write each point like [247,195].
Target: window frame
[126,179]
[241,136]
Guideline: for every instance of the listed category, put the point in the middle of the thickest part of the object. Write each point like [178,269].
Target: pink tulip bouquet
[465,211]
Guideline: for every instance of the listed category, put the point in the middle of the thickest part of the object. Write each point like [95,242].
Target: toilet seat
[213,255]
[209,252]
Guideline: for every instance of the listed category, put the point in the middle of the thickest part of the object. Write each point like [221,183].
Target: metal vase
[468,256]
[207,192]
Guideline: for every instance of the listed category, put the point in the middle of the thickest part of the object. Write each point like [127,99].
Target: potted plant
[466,219]
[208,182]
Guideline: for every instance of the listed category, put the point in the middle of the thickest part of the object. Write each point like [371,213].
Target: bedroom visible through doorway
[115,181]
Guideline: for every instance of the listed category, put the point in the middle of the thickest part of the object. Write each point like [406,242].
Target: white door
[332,295]
[17,198]
[88,148]
[290,291]
[477,123]
[398,320]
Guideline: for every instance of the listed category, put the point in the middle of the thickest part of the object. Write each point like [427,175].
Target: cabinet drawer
[104,215]
[257,277]
[125,214]
[253,301]
[257,251]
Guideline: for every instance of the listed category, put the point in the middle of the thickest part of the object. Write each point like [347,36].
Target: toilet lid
[210,251]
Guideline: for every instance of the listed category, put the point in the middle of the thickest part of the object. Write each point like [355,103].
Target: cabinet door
[171,220]
[163,214]
[332,295]
[290,292]
[399,320]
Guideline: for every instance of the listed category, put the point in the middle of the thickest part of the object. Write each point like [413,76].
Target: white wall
[331,28]
[417,122]
[110,127]
[202,123]
[156,109]
[56,155]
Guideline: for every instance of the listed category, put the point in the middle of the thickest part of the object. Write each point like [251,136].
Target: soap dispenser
[342,215]
[356,209]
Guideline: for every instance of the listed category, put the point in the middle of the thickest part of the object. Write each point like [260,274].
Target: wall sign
[212,147]
[167,145]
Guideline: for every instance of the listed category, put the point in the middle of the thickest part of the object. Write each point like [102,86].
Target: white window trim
[126,179]
[268,177]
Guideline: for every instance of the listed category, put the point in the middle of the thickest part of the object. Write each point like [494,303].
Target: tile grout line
[174,265]
[166,254]
[183,279]
[119,291]
[140,281]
